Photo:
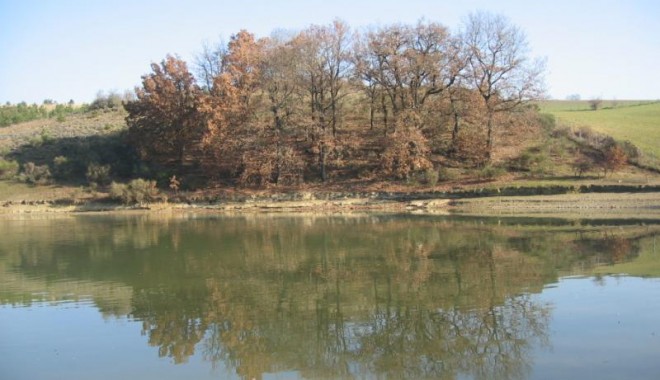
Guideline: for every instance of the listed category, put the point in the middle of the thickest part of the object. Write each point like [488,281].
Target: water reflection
[328,297]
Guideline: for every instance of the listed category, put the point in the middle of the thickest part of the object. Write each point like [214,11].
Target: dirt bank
[581,204]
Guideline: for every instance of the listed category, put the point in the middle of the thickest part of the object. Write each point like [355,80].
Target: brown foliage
[470,147]
[164,122]
[274,108]
[229,106]
[614,158]
[406,150]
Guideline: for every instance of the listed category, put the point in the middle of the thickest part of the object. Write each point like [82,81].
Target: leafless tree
[499,67]
[209,63]
[595,103]
[324,70]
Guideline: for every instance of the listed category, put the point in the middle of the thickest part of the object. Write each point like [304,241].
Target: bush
[613,159]
[62,168]
[137,191]
[119,191]
[431,176]
[35,174]
[491,172]
[110,101]
[98,174]
[582,165]
[470,147]
[533,160]
[8,168]
[444,174]
[406,151]
[631,150]
[547,121]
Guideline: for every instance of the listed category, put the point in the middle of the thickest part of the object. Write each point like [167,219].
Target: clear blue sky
[71,49]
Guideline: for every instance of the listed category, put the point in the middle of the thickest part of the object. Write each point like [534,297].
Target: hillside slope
[628,121]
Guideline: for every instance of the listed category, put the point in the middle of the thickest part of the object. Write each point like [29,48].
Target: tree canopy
[329,101]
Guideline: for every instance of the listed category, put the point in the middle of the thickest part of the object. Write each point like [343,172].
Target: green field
[634,121]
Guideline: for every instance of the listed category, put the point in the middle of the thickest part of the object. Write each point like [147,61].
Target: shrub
[8,168]
[431,176]
[290,167]
[99,174]
[35,174]
[632,151]
[533,160]
[547,121]
[491,172]
[582,165]
[119,191]
[257,169]
[137,191]
[470,147]
[406,150]
[110,101]
[62,168]
[445,174]
[614,158]
[46,137]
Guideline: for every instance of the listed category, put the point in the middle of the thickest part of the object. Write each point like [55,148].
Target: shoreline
[643,205]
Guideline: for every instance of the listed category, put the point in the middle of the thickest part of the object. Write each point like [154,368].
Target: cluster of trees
[22,112]
[301,105]
[50,109]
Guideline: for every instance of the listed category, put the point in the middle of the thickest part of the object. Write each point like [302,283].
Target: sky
[72,49]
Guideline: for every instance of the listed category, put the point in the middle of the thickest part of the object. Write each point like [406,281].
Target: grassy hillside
[634,121]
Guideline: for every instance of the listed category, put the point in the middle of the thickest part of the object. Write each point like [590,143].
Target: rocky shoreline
[613,203]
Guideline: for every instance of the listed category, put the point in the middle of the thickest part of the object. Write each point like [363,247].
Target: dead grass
[18,192]
[76,125]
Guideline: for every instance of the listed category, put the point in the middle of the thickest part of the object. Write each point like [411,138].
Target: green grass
[13,191]
[634,121]
[552,106]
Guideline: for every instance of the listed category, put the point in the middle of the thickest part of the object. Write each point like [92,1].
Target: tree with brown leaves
[613,158]
[230,106]
[164,123]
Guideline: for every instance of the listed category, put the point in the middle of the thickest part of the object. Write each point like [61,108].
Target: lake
[196,296]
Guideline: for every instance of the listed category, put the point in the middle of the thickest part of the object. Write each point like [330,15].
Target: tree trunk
[384,105]
[334,118]
[454,132]
[322,159]
[489,137]
[372,111]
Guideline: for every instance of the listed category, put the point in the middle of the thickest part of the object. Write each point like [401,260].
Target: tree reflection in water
[331,297]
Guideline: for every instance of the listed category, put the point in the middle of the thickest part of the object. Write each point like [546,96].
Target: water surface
[366,296]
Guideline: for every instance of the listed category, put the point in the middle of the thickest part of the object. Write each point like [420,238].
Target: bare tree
[498,66]
[407,65]
[209,63]
[595,103]
[323,72]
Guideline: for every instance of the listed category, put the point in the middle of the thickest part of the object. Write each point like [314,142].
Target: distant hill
[631,120]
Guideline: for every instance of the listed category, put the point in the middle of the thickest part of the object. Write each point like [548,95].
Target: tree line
[329,102]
